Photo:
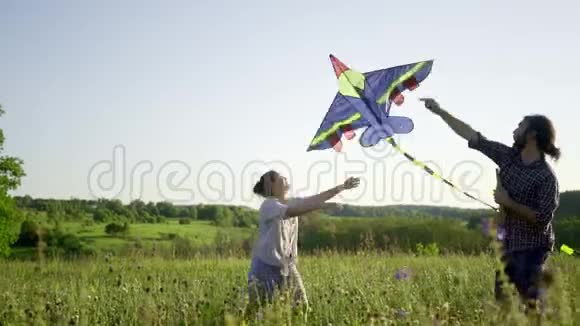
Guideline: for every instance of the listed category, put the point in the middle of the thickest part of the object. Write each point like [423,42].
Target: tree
[55,213]
[210,212]
[11,173]
[138,208]
[223,217]
[203,212]
[167,209]
[152,209]
[116,206]
[193,213]
[103,215]
[25,202]
[184,211]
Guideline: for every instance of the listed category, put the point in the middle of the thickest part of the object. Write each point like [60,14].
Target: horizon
[327,203]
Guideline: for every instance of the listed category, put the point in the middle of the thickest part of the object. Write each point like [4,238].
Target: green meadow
[342,290]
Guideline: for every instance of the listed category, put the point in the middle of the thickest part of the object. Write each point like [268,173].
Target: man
[527,193]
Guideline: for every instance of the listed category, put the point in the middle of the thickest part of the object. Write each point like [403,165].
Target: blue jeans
[263,281]
[524,269]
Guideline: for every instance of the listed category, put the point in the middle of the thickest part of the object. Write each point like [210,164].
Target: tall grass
[342,290]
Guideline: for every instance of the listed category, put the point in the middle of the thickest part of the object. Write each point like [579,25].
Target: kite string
[430,171]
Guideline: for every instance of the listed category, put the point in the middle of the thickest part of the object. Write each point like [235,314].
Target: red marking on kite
[399,99]
[394,93]
[348,132]
[411,83]
[338,66]
[335,142]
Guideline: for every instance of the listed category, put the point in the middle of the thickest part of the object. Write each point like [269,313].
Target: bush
[117,229]
[28,236]
[148,218]
[71,244]
[223,217]
[184,221]
[103,215]
[431,250]
[390,234]
[160,219]
[64,244]
[246,219]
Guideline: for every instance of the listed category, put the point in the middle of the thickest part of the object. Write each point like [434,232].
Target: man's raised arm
[494,150]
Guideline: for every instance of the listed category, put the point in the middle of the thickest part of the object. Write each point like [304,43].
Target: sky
[190,101]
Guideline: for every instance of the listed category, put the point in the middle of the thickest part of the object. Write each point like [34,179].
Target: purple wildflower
[500,233]
[401,313]
[402,274]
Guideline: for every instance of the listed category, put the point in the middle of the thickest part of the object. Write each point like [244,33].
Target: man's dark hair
[545,134]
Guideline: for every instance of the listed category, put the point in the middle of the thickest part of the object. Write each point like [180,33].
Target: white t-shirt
[277,243]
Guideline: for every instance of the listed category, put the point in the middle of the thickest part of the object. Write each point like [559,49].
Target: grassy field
[199,232]
[343,290]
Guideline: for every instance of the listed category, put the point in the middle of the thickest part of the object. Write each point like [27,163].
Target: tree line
[137,211]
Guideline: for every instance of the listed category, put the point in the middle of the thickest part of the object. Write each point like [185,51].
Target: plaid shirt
[533,185]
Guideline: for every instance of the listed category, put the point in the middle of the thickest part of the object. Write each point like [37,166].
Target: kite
[364,101]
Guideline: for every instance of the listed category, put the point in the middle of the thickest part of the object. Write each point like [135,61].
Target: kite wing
[341,119]
[389,84]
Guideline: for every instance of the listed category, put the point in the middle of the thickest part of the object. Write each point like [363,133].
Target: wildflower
[500,233]
[401,313]
[402,274]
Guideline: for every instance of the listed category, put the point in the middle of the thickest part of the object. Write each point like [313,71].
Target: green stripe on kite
[383,99]
[349,81]
[355,78]
[337,125]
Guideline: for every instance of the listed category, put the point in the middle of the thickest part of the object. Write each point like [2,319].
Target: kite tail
[568,250]
[427,169]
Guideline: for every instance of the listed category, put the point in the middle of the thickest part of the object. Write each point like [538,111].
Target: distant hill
[410,211]
[569,207]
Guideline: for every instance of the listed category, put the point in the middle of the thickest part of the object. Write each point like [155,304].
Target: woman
[274,257]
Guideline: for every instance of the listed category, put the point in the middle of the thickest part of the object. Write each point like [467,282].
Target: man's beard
[519,143]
